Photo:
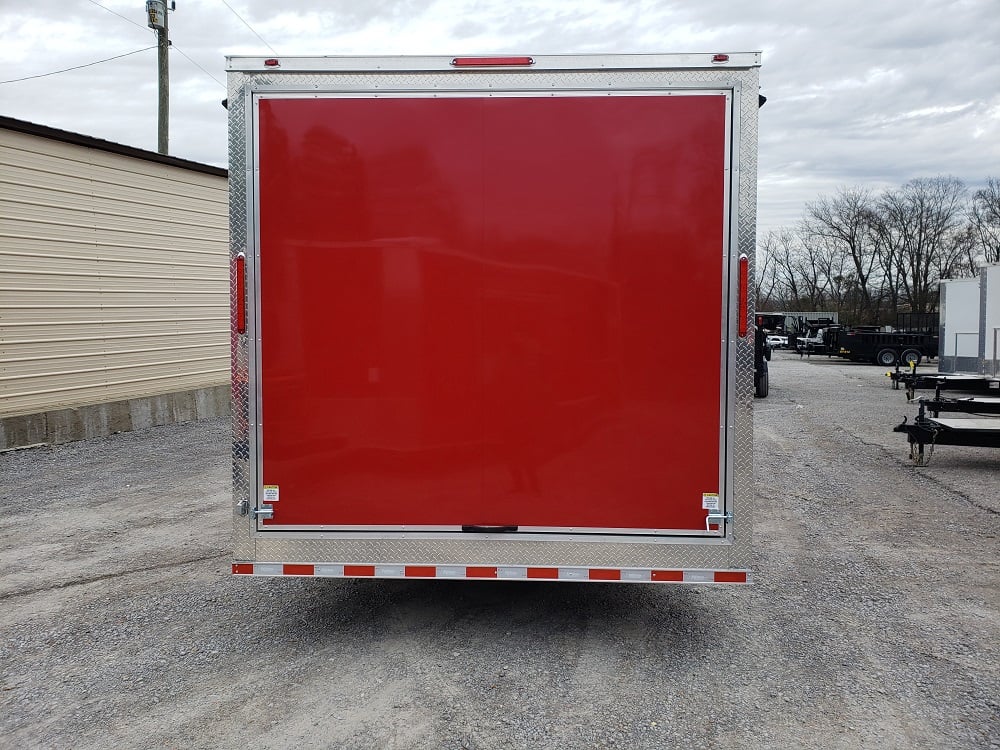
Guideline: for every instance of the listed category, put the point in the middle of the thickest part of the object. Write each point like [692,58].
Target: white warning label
[710,500]
[270,493]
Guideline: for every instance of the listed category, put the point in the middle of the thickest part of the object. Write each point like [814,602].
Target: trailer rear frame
[719,553]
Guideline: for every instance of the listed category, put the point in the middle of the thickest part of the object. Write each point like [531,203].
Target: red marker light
[743,295]
[241,293]
[271,62]
[485,62]
[720,58]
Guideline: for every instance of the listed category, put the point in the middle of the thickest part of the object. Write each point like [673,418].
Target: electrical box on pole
[156,11]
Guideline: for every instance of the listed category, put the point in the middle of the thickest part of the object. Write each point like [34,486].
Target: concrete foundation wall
[99,420]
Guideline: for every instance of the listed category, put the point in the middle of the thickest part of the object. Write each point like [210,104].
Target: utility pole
[156,12]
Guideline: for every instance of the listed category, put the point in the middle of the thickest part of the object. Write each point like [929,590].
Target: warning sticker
[710,500]
[270,493]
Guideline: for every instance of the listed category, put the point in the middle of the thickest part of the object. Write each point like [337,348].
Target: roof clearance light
[481,62]
[271,63]
[720,58]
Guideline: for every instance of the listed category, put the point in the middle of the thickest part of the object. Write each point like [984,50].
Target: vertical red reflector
[744,291]
[241,293]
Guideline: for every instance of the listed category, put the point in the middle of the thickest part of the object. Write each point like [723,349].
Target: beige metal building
[114,287]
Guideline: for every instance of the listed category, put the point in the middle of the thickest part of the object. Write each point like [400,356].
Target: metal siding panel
[113,276]
[54,159]
[105,361]
[70,347]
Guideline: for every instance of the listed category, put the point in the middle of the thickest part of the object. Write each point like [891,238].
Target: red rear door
[492,311]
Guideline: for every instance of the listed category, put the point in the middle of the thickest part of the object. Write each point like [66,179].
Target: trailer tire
[910,355]
[760,385]
[886,357]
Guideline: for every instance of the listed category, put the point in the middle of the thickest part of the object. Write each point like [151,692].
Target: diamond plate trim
[243,547]
[249,545]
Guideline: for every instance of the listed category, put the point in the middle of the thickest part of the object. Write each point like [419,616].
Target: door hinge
[264,511]
[718,519]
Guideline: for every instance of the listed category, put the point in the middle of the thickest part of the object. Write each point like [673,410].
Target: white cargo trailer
[989,329]
[959,305]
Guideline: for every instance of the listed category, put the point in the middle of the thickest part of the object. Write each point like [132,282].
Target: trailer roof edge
[423,63]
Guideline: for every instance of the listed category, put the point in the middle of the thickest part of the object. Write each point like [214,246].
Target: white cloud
[859,92]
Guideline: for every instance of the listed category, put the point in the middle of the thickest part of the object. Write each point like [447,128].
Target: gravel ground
[873,622]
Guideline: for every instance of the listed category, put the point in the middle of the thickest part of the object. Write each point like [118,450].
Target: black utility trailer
[884,348]
[979,432]
[914,381]
[968,405]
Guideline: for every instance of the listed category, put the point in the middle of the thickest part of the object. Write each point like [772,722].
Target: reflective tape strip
[359,570]
[543,573]
[496,572]
[480,571]
[601,574]
[329,571]
[420,571]
[638,576]
[512,572]
[699,576]
[731,576]
[664,576]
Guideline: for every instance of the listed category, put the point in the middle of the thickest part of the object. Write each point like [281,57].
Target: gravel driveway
[874,621]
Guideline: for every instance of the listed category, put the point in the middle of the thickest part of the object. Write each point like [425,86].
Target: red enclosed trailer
[463,291]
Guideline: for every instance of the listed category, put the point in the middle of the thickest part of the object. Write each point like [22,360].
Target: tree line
[869,255]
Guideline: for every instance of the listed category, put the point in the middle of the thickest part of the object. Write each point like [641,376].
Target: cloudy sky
[860,92]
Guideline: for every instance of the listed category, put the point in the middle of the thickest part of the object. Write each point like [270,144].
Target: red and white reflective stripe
[497,572]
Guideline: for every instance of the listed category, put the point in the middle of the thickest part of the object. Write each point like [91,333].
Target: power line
[172,45]
[250,27]
[78,67]
[104,7]
[182,52]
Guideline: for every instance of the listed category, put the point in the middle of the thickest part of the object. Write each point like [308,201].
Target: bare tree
[984,214]
[871,255]
[766,269]
[962,254]
[786,248]
[843,224]
[836,270]
[810,264]
[918,223]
